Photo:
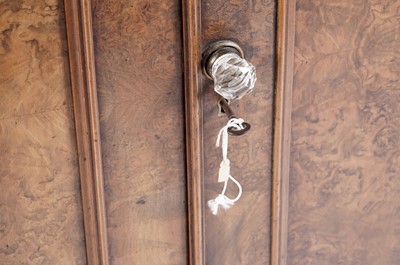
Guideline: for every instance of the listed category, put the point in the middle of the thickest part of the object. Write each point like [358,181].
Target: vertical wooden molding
[86,114]
[191,13]
[282,131]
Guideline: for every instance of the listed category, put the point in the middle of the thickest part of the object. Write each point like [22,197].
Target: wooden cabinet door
[152,120]
[137,133]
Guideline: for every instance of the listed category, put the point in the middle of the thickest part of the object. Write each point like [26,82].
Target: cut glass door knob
[224,63]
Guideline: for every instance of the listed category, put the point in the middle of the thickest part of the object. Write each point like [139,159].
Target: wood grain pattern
[191,19]
[344,190]
[138,62]
[84,92]
[242,234]
[282,131]
[40,207]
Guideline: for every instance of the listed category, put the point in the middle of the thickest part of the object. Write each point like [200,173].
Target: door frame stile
[282,131]
[86,115]
[191,14]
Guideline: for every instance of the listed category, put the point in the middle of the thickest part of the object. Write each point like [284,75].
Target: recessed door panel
[139,77]
[241,235]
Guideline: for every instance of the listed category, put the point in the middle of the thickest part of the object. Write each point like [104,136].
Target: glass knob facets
[223,62]
[233,76]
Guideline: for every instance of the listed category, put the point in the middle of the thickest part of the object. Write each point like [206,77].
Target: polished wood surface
[40,206]
[344,182]
[138,50]
[282,131]
[241,235]
[85,105]
[191,24]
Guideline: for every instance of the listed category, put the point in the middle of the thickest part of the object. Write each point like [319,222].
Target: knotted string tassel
[222,200]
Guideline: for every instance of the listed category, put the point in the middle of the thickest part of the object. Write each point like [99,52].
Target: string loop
[223,200]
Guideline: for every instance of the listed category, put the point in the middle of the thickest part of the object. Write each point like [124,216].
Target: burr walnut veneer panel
[345,165]
[40,207]
[241,235]
[138,64]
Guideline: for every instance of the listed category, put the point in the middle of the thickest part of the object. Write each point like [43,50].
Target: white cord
[224,174]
